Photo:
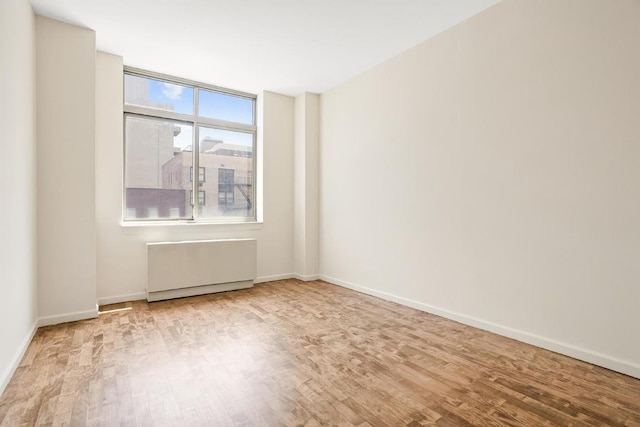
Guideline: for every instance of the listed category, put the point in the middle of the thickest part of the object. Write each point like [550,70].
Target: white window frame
[196,122]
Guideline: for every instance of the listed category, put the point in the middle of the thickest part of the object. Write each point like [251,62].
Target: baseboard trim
[68,317]
[273,278]
[198,290]
[137,296]
[606,361]
[122,298]
[307,278]
[17,358]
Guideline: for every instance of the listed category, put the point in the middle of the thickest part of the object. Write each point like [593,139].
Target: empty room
[367,213]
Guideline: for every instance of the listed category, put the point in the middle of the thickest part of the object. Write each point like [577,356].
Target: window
[226,187]
[201,197]
[200,175]
[173,127]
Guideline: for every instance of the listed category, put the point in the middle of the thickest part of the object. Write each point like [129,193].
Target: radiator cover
[180,269]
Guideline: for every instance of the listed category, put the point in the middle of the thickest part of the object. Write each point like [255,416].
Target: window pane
[227,161]
[201,176]
[225,107]
[201,197]
[158,157]
[152,93]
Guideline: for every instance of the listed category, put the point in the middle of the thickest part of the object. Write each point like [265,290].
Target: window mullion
[157,113]
[196,162]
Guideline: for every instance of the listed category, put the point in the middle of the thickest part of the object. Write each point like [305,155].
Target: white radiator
[181,269]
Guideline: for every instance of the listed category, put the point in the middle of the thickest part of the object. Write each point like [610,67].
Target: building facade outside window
[173,127]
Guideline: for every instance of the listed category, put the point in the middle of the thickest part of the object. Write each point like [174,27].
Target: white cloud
[172,91]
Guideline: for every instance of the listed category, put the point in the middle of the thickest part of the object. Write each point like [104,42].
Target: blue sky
[211,104]
[179,96]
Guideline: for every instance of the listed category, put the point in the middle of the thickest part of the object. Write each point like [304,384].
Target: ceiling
[284,46]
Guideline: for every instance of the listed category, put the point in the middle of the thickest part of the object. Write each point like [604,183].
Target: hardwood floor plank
[298,353]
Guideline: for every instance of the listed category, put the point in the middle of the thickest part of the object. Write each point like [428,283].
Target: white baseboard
[68,317]
[273,278]
[606,361]
[17,358]
[307,278]
[122,298]
[143,295]
[198,290]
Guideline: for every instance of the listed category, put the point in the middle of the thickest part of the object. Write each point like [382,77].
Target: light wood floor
[294,353]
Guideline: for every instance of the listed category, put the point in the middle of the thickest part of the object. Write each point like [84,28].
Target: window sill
[218,226]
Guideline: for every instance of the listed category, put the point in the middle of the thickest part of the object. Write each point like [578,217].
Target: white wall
[305,188]
[18,305]
[66,205]
[121,261]
[491,175]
